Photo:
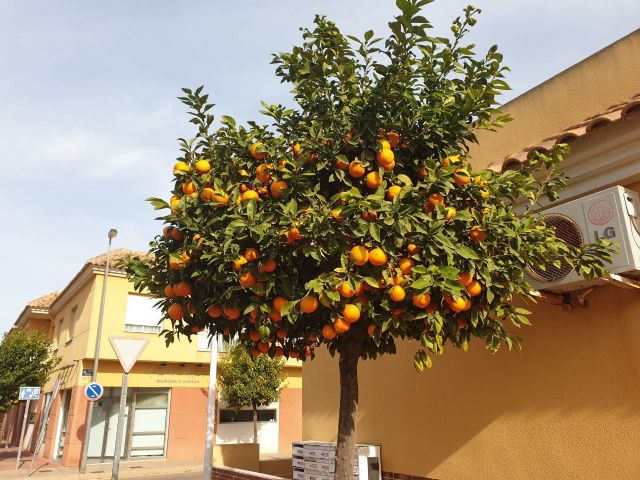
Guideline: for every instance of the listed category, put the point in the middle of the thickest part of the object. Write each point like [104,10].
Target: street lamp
[96,357]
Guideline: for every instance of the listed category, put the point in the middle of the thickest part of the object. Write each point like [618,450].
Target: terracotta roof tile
[44,301]
[114,257]
[613,114]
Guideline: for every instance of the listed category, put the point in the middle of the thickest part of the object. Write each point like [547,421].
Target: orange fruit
[377,257]
[309,304]
[356,170]
[456,304]
[253,151]
[413,249]
[477,234]
[247,279]
[279,302]
[335,214]
[175,264]
[202,166]
[371,329]
[269,266]
[474,288]
[397,279]
[166,232]
[196,329]
[254,335]
[277,188]
[341,325]
[181,167]
[351,313]
[422,172]
[174,203]
[263,347]
[373,180]
[394,139]
[389,166]
[397,293]
[214,311]
[406,265]
[369,216]
[175,312]
[231,313]
[278,352]
[465,278]
[275,316]
[169,292]
[393,191]
[345,290]
[422,300]
[436,199]
[461,176]
[384,144]
[182,289]
[297,149]
[385,157]
[262,173]
[250,254]
[292,235]
[206,194]
[281,333]
[189,188]
[220,197]
[359,254]
[237,264]
[177,235]
[329,332]
[341,164]
[450,213]
[293,354]
[451,159]
[249,195]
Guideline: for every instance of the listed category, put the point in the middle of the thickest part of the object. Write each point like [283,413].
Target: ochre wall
[290,426]
[566,407]
[588,88]
[76,422]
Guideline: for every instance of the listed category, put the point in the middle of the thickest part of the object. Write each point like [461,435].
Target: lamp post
[96,357]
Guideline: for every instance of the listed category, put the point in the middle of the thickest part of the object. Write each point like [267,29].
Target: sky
[89,116]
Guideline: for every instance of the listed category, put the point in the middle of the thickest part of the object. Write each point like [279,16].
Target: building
[568,406]
[167,395]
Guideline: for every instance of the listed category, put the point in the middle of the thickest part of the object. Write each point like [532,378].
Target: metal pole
[211,410]
[96,357]
[123,405]
[24,427]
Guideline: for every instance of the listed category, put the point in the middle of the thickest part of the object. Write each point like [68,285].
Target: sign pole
[211,410]
[123,405]
[24,427]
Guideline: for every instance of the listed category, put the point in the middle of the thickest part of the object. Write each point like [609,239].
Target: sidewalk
[45,469]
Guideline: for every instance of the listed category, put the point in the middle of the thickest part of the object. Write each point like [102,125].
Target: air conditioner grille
[566,229]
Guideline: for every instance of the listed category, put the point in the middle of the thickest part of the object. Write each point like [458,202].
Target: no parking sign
[94,391]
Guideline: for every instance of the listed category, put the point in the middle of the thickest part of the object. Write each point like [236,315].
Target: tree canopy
[25,360]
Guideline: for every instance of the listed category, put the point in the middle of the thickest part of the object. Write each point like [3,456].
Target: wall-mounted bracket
[622,282]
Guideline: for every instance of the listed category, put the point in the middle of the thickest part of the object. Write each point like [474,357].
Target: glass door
[149,424]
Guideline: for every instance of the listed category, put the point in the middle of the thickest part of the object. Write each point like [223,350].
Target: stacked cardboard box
[317,460]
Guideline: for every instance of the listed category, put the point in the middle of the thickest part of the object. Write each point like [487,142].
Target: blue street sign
[93,391]
[29,393]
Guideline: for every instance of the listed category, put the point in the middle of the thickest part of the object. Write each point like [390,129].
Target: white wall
[242,432]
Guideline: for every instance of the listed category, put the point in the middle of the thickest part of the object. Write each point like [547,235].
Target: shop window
[229,415]
[142,315]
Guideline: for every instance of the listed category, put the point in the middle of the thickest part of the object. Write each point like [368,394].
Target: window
[142,315]
[229,415]
[59,339]
[72,323]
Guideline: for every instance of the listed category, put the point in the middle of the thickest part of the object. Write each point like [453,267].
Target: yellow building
[568,406]
[167,398]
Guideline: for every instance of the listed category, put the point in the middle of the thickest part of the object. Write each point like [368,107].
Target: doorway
[145,424]
[63,417]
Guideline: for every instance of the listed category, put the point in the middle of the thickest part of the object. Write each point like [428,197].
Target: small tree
[356,218]
[250,382]
[25,360]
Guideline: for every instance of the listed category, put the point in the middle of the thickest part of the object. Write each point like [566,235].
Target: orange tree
[355,217]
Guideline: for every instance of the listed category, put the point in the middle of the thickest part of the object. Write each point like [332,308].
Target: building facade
[568,405]
[167,388]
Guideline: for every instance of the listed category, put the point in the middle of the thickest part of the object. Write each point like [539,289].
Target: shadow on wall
[569,402]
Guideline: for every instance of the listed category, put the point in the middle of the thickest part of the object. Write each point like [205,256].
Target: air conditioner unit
[614,214]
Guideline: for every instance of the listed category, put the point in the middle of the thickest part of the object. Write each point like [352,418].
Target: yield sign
[128,350]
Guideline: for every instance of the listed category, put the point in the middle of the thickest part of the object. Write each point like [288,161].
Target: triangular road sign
[128,350]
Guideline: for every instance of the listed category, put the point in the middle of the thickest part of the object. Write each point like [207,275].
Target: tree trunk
[255,423]
[346,448]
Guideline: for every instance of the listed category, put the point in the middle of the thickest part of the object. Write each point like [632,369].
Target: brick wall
[228,473]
